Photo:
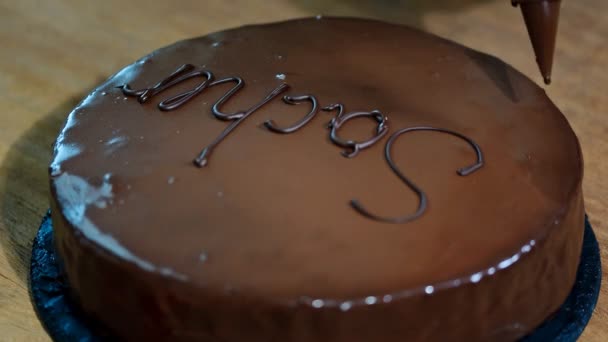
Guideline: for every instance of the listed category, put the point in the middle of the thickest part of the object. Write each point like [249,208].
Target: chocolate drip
[422,198]
[294,100]
[352,147]
[202,159]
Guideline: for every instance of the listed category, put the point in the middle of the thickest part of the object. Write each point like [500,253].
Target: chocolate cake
[320,179]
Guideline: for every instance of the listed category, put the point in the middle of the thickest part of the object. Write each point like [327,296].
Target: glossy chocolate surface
[262,244]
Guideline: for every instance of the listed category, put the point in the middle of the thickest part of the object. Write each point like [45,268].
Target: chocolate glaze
[541,17]
[285,256]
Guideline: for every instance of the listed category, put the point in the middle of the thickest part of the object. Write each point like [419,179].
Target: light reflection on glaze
[118,141]
[475,278]
[318,303]
[62,150]
[428,289]
[115,144]
[63,153]
[168,272]
[508,262]
[203,257]
[107,177]
[76,195]
[345,306]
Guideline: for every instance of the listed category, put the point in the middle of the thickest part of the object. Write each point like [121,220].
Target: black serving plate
[63,320]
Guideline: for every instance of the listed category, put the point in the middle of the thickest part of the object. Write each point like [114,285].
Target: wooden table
[53,52]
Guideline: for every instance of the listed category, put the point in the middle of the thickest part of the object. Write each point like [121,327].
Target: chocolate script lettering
[422,198]
[351,148]
[294,100]
[201,159]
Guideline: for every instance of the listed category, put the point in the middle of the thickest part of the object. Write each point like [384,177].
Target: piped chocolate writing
[351,148]
[294,100]
[189,71]
[422,198]
[202,158]
[182,74]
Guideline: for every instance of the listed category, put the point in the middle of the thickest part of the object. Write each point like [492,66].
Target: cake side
[504,306]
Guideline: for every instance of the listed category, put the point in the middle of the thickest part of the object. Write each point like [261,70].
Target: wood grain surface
[53,52]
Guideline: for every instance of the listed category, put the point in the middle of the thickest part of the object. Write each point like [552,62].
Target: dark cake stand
[64,322]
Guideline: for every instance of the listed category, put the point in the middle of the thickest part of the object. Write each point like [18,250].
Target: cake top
[232,160]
